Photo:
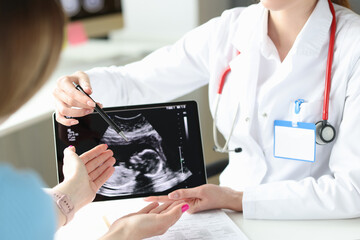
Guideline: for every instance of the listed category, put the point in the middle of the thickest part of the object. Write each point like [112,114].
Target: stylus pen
[103,114]
[106,221]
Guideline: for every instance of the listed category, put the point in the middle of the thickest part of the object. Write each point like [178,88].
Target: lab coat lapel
[241,86]
[245,68]
[279,76]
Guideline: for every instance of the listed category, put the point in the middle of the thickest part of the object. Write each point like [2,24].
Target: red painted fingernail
[185,207]
[70,146]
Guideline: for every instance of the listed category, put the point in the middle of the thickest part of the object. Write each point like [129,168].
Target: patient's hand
[151,221]
[204,197]
[84,175]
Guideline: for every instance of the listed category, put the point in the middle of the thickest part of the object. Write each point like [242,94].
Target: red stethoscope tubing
[222,79]
[325,114]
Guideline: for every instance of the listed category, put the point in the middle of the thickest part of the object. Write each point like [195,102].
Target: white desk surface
[88,224]
[347,229]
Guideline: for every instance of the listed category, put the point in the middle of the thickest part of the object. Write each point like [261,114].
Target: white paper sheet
[208,225]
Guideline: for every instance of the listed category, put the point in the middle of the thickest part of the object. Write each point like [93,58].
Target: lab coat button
[264,115]
[247,119]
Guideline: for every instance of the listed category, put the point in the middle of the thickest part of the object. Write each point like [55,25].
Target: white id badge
[295,142]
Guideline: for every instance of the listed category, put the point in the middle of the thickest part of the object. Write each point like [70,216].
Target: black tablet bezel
[197,149]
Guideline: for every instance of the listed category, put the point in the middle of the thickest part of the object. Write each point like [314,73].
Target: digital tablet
[163,152]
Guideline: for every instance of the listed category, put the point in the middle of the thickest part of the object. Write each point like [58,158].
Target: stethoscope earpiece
[219,150]
[325,133]
[237,150]
[215,149]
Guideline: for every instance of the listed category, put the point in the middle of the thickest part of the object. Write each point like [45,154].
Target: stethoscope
[325,132]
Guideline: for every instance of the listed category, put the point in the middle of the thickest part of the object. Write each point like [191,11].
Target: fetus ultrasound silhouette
[141,165]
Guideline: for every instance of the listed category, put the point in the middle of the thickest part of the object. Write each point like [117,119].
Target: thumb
[69,150]
[71,162]
[84,82]
[184,193]
[69,153]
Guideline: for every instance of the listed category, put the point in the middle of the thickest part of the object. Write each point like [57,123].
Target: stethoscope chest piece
[325,133]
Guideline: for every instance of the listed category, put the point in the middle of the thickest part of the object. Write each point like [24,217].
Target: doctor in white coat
[283,47]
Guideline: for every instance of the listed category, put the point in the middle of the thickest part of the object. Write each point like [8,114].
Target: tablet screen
[163,151]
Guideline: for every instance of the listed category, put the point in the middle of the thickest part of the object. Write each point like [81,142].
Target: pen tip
[123,136]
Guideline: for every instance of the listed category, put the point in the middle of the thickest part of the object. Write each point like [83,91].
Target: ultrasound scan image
[163,152]
[141,164]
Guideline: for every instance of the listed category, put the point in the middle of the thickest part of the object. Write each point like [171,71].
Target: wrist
[233,199]
[73,191]
[119,231]
[64,205]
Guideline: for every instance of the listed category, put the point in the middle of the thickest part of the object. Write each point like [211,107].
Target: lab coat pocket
[310,112]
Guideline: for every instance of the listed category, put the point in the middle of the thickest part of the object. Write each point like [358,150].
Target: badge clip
[297,111]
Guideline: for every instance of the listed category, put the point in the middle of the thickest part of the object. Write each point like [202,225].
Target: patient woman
[30,43]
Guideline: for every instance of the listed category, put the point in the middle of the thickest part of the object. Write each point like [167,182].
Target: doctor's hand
[84,175]
[151,221]
[69,101]
[204,197]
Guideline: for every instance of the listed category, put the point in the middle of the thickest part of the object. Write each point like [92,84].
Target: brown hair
[30,44]
[344,3]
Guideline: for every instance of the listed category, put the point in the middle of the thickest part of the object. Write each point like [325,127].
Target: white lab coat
[265,89]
